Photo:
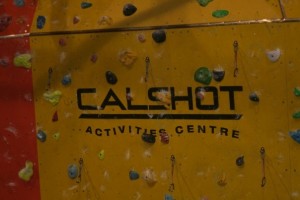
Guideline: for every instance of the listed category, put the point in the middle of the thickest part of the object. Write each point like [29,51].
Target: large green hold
[203,75]
[220,13]
[204,2]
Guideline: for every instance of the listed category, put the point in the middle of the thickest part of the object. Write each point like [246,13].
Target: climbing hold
[101,155]
[26,173]
[40,22]
[111,78]
[159,36]
[4,61]
[129,9]
[204,2]
[23,60]
[66,79]
[141,37]
[168,197]
[164,97]
[240,161]
[19,3]
[164,137]
[94,58]
[218,74]
[76,19]
[105,20]
[55,117]
[62,42]
[85,5]
[296,115]
[127,57]
[297,91]
[52,96]
[203,75]
[129,96]
[254,97]
[295,135]
[200,93]
[273,55]
[222,180]
[133,175]
[41,135]
[73,171]
[220,13]
[149,138]
[56,136]
[4,22]
[149,176]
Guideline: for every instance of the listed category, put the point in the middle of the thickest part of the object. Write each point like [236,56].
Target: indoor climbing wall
[149,100]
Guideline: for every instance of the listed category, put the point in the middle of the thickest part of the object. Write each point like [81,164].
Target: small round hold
[254,97]
[72,171]
[240,161]
[133,175]
[41,135]
[111,78]
[159,36]
[66,80]
[218,74]
[129,9]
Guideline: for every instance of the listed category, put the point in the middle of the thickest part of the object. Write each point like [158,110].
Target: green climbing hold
[52,96]
[296,115]
[26,173]
[204,2]
[220,13]
[297,92]
[203,75]
[23,60]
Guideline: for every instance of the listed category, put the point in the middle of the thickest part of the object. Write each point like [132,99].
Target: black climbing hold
[149,138]
[129,9]
[254,97]
[159,36]
[240,161]
[218,74]
[111,78]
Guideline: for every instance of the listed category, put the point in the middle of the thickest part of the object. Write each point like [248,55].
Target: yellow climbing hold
[23,60]
[56,136]
[53,96]
[26,173]
[127,57]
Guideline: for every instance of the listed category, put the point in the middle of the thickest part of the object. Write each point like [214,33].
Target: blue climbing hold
[240,161]
[41,135]
[19,3]
[168,197]
[133,175]
[295,135]
[86,5]
[111,78]
[66,80]
[73,171]
[40,22]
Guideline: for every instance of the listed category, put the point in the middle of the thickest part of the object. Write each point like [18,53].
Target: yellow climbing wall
[105,125]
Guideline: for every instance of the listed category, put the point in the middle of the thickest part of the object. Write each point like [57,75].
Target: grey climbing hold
[204,2]
[254,97]
[19,3]
[129,9]
[240,161]
[111,78]
[41,136]
[85,5]
[72,171]
[159,36]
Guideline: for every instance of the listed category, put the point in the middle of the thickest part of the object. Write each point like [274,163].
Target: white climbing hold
[273,55]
